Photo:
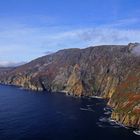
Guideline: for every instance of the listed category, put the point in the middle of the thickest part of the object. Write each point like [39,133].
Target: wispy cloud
[24,43]
[136,49]
[100,36]
[10,64]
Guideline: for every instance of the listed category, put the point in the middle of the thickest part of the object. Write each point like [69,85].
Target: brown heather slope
[111,72]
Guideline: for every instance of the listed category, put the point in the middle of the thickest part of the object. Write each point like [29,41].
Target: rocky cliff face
[111,72]
[126,100]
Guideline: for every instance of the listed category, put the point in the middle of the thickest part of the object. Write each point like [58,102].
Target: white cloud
[10,63]
[136,49]
[100,36]
[23,43]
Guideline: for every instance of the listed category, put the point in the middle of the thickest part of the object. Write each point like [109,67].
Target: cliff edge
[108,71]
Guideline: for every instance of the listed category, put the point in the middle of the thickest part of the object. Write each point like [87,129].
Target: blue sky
[32,28]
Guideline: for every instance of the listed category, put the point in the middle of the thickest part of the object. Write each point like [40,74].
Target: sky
[33,28]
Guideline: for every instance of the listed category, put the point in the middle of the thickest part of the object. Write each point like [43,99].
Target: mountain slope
[111,72]
[126,100]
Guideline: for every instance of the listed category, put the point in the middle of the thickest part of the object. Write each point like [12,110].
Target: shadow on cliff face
[99,70]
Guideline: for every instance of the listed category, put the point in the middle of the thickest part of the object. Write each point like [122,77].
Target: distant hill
[108,71]
[6,69]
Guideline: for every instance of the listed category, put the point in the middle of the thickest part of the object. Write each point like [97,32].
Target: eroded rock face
[111,72]
[126,100]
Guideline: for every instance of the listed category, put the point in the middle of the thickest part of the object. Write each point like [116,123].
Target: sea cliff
[108,71]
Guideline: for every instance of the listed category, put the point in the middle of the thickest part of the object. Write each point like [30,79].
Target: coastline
[90,97]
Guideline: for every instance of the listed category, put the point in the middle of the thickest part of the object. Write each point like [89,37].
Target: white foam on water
[89,105]
[87,109]
[111,123]
[103,119]
[115,123]
[107,113]
[96,97]
[107,109]
[137,132]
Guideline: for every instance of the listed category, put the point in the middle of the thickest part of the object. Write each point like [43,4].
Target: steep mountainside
[111,72]
[126,100]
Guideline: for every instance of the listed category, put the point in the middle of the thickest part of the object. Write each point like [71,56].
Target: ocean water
[28,115]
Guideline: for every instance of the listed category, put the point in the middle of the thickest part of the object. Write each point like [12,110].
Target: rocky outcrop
[126,100]
[111,72]
[126,119]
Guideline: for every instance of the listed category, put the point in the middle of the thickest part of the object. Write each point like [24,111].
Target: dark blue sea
[28,115]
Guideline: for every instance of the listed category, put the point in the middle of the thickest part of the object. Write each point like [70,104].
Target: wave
[89,105]
[117,123]
[107,109]
[87,109]
[101,125]
[96,97]
[108,122]
[103,119]
[107,113]
[137,132]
